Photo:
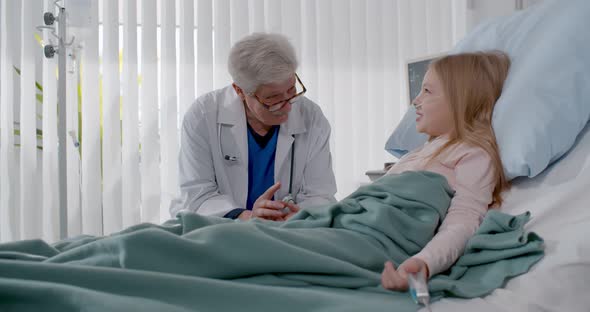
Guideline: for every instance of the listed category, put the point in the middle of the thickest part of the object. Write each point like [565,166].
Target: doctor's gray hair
[261,58]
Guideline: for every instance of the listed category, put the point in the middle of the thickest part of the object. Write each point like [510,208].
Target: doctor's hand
[266,208]
[398,279]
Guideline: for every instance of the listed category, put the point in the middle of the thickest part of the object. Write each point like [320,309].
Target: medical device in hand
[419,288]
[289,200]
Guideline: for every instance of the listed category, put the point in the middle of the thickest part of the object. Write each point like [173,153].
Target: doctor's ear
[239,91]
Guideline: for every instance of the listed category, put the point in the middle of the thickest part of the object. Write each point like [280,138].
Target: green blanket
[324,259]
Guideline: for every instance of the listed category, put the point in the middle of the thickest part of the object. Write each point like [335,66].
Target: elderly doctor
[259,147]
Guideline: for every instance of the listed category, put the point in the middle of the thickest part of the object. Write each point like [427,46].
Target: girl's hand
[398,279]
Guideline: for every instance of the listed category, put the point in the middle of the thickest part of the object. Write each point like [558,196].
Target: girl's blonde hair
[472,83]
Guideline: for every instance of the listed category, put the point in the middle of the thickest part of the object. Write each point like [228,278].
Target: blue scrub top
[261,166]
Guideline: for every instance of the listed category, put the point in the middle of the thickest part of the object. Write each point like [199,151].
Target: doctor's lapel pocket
[229,148]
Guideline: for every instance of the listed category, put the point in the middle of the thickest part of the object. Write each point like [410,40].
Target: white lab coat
[215,127]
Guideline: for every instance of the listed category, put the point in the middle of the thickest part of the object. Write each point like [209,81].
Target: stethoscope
[289,197]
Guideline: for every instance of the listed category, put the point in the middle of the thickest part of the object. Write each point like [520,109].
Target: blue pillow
[546,98]
[405,138]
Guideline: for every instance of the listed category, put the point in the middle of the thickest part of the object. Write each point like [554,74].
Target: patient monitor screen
[416,72]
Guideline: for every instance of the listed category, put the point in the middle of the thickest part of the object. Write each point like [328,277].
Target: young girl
[455,109]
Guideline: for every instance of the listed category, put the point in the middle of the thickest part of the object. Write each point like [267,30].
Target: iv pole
[49,51]
[61,129]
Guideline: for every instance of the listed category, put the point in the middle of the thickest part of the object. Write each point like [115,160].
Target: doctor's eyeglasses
[298,91]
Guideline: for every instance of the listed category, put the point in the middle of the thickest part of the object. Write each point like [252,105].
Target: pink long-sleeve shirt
[469,171]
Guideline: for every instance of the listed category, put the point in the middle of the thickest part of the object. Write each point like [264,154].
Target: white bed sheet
[559,201]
